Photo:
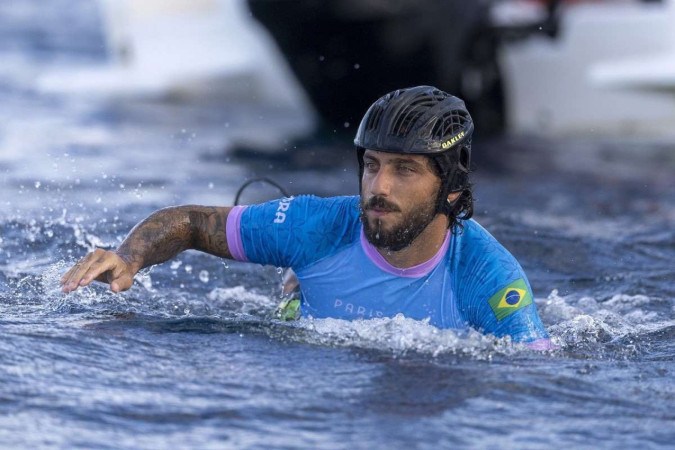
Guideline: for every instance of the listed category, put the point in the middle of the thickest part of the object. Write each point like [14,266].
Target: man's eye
[406,169]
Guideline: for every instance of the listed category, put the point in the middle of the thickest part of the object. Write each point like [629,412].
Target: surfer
[406,245]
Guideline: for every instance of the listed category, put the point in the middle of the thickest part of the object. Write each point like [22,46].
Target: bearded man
[407,245]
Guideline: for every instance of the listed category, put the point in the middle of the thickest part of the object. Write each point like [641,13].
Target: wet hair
[462,208]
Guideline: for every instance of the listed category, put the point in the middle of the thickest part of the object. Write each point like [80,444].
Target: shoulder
[472,233]
[493,290]
[295,231]
[475,246]
[301,209]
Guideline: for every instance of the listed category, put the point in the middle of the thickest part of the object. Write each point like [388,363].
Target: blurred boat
[345,53]
[610,71]
[191,51]
[206,48]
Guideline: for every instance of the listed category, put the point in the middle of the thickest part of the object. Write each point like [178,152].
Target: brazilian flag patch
[510,299]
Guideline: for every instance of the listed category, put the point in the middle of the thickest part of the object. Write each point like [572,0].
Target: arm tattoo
[169,231]
[208,231]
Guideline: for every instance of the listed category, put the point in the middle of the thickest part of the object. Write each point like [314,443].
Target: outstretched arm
[160,237]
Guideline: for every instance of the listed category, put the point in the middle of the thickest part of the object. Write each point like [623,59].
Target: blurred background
[551,68]
[229,90]
[524,66]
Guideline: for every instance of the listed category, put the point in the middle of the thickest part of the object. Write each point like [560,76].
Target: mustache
[380,203]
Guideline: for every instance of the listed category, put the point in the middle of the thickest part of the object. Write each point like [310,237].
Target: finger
[121,283]
[68,273]
[97,268]
[71,279]
[74,269]
[120,277]
[74,276]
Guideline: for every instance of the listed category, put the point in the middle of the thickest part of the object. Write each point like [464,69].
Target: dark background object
[346,53]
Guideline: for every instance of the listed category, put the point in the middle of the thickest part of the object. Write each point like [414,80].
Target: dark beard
[402,235]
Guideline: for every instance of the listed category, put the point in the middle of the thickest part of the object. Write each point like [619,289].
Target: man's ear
[453,196]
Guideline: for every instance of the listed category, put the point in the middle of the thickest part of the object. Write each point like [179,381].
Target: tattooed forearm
[169,231]
[208,230]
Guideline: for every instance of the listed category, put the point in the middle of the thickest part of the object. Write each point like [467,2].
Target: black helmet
[421,120]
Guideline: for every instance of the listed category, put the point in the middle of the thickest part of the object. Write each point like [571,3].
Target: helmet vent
[374,118]
[465,157]
[407,117]
[450,124]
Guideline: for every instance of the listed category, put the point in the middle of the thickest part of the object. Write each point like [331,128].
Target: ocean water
[191,356]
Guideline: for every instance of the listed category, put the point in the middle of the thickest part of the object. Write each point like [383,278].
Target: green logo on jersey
[510,299]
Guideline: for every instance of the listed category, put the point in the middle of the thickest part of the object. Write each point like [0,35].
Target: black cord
[254,180]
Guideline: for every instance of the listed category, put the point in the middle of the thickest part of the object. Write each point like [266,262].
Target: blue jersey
[472,281]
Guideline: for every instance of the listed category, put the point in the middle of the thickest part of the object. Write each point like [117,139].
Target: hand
[99,265]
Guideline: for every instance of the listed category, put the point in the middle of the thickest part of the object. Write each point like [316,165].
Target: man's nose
[380,183]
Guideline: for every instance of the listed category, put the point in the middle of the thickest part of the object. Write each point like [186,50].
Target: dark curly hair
[462,208]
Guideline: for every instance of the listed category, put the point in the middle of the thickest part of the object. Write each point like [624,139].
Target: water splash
[204,276]
[240,301]
[615,327]
[400,337]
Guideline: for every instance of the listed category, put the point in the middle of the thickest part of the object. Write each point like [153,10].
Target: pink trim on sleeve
[233,230]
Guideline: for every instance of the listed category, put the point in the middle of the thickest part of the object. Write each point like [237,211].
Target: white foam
[400,335]
[241,301]
[587,320]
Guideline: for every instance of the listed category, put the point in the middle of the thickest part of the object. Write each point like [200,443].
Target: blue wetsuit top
[472,280]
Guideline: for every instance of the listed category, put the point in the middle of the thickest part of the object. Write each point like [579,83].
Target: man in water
[407,245]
